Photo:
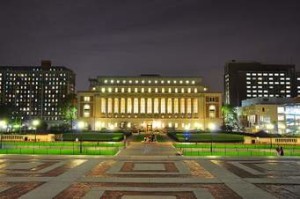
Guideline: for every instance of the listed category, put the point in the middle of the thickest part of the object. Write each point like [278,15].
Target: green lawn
[206,137]
[232,149]
[62,148]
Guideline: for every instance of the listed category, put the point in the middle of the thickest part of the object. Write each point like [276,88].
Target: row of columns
[157,106]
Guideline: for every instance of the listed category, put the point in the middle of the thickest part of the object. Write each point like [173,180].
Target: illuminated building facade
[273,115]
[36,91]
[245,80]
[149,102]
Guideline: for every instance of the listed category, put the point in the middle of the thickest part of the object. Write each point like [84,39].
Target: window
[103,105]
[123,105]
[129,105]
[143,105]
[182,105]
[169,105]
[136,105]
[149,105]
[163,105]
[109,105]
[176,103]
[86,98]
[116,105]
[212,111]
[156,105]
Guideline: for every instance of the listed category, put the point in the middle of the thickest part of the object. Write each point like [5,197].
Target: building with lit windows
[36,91]
[273,115]
[149,102]
[245,80]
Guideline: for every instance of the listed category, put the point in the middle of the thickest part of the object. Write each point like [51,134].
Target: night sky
[132,37]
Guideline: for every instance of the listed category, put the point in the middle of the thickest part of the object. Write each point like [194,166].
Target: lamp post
[212,127]
[3,125]
[80,127]
[35,123]
[270,128]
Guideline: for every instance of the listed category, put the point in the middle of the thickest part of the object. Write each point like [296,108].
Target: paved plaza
[148,171]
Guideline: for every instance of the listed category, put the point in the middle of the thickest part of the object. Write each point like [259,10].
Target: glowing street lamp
[80,125]
[212,127]
[35,123]
[3,125]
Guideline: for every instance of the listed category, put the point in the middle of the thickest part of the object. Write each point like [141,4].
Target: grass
[230,149]
[62,148]
[206,137]
[93,136]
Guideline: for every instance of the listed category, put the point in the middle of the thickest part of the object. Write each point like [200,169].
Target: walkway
[148,171]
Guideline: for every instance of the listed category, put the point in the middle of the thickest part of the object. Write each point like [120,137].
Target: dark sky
[131,37]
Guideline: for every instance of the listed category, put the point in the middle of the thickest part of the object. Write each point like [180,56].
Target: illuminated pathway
[139,176]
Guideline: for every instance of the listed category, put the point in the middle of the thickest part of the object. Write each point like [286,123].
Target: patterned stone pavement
[144,176]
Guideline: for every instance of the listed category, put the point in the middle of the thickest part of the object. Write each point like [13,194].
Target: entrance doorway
[149,127]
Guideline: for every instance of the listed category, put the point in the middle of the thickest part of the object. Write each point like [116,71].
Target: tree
[230,118]
[69,109]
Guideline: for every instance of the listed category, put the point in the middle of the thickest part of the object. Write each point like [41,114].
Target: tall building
[251,80]
[149,102]
[36,91]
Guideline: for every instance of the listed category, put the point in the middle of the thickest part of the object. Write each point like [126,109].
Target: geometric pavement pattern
[143,177]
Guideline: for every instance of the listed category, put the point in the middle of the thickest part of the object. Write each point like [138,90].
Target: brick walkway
[148,171]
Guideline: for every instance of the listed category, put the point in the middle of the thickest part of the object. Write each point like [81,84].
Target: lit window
[212,111]
[169,81]
[180,81]
[149,81]
[122,90]
[142,90]
[124,81]
[175,82]
[156,90]
[187,82]
[118,81]
[189,90]
[149,90]
[162,82]
[135,90]
[182,90]
[193,82]
[130,81]
[112,81]
[195,90]
[116,90]
[129,90]
[176,90]
[143,81]
[136,81]
[109,90]
[103,90]
[86,99]
[170,90]
[105,81]
[163,90]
